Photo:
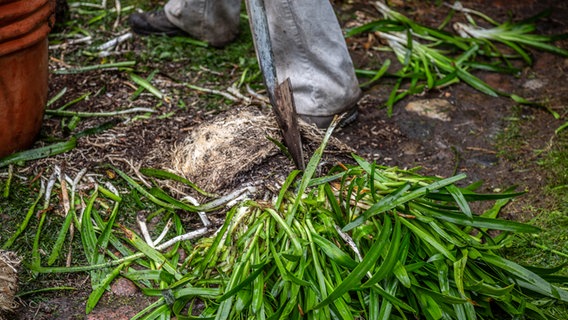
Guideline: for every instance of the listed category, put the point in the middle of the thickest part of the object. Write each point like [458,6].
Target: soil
[467,140]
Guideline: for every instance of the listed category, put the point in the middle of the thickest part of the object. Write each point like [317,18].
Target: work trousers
[307,42]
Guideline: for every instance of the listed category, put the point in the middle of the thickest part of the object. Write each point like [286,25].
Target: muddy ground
[470,140]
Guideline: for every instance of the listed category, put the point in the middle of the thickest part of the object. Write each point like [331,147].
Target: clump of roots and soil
[241,141]
[9,264]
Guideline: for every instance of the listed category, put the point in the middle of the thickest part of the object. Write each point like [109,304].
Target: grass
[547,249]
[557,161]
[510,142]
[550,248]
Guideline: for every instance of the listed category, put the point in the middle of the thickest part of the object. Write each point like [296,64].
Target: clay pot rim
[31,27]
[11,10]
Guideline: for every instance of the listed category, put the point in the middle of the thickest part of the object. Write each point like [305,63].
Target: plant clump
[9,262]
[363,241]
[433,58]
[217,151]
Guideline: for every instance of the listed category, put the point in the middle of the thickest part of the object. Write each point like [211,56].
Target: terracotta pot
[24,25]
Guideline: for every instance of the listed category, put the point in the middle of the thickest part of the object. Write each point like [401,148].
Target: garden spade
[280,94]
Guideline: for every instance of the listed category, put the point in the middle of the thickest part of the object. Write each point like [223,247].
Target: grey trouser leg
[309,48]
[307,40]
[213,21]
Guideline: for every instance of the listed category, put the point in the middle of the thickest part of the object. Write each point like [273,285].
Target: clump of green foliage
[364,241]
[432,57]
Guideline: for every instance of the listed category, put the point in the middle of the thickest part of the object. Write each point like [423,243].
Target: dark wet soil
[477,139]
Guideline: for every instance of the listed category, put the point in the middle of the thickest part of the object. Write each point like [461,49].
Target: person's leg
[308,45]
[309,48]
[213,21]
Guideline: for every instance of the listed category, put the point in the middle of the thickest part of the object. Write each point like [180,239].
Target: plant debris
[363,241]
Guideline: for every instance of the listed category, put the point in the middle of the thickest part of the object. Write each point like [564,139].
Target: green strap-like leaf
[333,252]
[141,189]
[390,259]
[249,279]
[310,170]
[529,279]
[61,238]
[24,222]
[162,174]
[383,205]
[460,200]
[97,293]
[153,254]
[401,199]
[477,222]
[428,239]
[39,153]
[354,278]
[475,82]
[459,269]
[88,236]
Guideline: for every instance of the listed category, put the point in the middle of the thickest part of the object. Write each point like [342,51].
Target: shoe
[323,122]
[153,23]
